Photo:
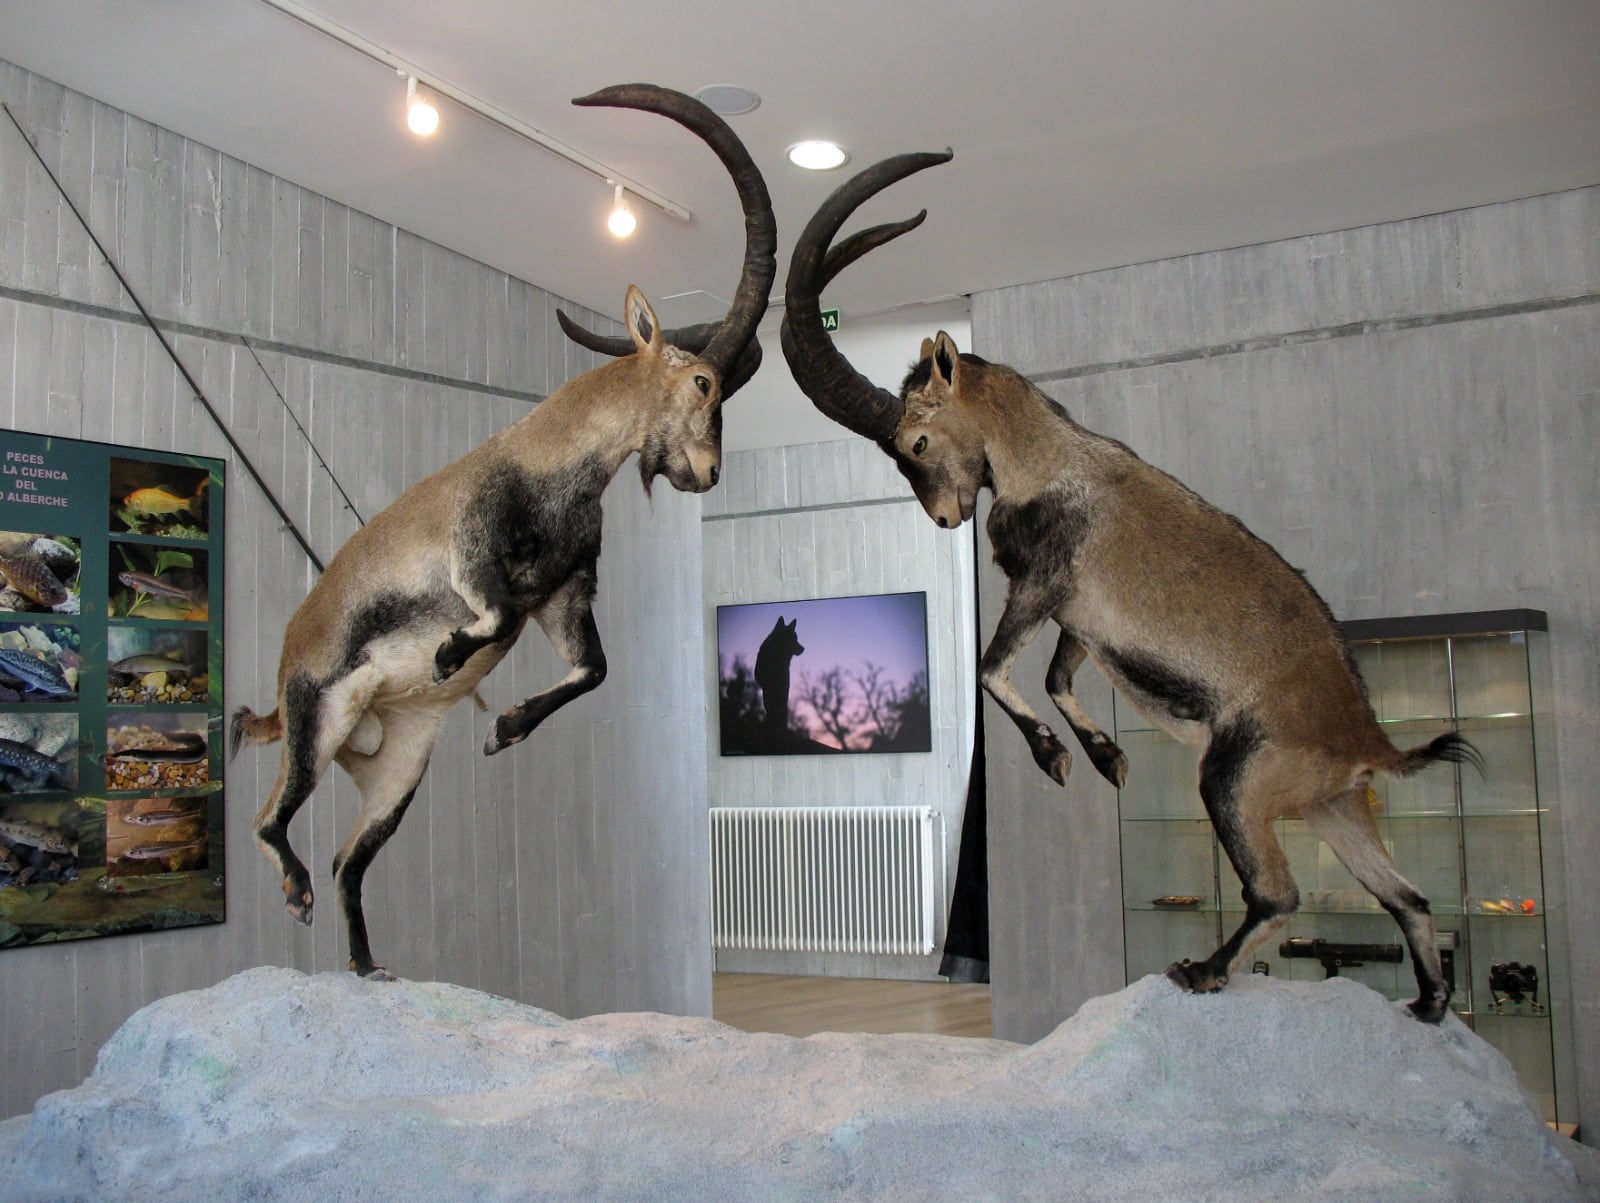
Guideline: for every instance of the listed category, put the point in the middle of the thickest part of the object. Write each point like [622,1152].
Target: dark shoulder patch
[1037,537]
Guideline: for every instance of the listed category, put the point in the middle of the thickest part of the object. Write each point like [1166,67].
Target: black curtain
[966,941]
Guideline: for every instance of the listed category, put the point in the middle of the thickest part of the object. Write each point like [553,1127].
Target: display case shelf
[1463,839]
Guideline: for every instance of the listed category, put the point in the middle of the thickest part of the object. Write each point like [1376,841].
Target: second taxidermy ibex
[427,598]
[1199,624]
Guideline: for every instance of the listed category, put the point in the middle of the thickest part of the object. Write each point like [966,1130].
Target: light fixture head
[422,115]
[818,155]
[622,221]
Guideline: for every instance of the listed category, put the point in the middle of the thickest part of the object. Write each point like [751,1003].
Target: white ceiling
[1087,133]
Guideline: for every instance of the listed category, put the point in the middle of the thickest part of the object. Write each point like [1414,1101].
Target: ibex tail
[249,727]
[1450,748]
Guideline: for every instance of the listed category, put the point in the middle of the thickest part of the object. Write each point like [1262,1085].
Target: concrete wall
[1408,412]
[567,872]
[836,519]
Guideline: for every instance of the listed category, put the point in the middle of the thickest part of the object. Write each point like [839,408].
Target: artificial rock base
[275,1085]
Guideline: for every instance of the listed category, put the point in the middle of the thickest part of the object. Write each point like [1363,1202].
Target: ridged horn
[824,375]
[720,344]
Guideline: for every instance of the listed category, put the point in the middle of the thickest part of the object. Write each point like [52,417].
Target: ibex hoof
[1054,759]
[447,661]
[1430,1010]
[1111,762]
[376,974]
[502,736]
[298,905]
[1196,977]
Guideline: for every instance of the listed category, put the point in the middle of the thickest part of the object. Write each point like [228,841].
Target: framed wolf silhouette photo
[824,676]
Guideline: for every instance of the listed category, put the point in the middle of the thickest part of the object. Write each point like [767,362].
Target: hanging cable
[304,433]
[199,393]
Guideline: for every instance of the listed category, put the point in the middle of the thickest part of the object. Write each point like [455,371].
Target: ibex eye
[920,445]
[703,383]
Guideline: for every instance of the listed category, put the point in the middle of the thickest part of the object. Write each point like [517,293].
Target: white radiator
[825,878]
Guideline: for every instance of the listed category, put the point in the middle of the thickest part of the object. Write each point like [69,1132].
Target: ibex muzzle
[430,595]
[1198,623]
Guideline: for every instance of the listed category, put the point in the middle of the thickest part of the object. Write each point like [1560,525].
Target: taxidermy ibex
[428,597]
[1199,623]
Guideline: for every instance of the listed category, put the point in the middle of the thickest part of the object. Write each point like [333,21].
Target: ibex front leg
[568,620]
[1025,612]
[481,583]
[1105,754]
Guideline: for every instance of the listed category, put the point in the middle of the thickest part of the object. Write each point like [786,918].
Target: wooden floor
[803,1006]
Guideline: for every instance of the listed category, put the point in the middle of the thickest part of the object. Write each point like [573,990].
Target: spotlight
[422,115]
[621,222]
[818,155]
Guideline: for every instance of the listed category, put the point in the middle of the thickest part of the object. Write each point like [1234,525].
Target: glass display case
[1478,847]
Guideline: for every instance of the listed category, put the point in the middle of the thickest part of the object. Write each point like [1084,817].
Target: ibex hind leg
[1245,788]
[299,770]
[1345,823]
[387,782]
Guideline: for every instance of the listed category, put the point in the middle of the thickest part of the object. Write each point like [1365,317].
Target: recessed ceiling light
[728,99]
[818,155]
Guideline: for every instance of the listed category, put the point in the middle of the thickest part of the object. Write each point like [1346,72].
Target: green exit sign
[830,319]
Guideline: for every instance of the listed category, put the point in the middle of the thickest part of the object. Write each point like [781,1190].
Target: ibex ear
[946,359]
[641,319]
[927,350]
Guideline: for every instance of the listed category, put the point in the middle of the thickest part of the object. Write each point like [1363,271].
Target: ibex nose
[944,523]
[716,474]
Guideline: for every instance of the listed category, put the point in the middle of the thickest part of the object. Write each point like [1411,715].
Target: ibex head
[681,411]
[687,373]
[937,445]
[929,429]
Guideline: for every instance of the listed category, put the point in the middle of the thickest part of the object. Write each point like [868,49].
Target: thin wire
[304,433]
[199,393]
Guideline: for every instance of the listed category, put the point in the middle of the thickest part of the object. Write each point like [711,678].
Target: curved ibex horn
[823,374]
[720,344]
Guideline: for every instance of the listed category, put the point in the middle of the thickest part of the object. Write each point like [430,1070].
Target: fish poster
[111,750]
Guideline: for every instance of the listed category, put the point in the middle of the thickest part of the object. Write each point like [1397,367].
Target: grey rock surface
[278,1086]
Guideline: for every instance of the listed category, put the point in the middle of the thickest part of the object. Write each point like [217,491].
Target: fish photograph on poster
[151,498]
[150,750]
[158,582]
[38,752]
[148,836]
[154,666]
[40,662]
[38,573]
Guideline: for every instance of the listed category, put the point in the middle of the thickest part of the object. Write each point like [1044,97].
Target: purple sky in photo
[888,629]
